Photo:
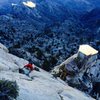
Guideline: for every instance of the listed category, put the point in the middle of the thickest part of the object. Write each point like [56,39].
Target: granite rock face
[39,85]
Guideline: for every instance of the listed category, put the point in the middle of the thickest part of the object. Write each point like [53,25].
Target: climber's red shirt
[30,66]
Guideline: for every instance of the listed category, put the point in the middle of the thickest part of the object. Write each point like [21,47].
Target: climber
[29,66]
[27,69]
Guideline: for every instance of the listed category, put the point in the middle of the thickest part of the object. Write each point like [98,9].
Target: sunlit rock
[29,4]
[86,50]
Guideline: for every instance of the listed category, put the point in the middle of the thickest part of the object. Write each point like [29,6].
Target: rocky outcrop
[80,73]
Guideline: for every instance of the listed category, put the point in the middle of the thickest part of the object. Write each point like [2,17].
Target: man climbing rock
[27,69]
[29,66]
